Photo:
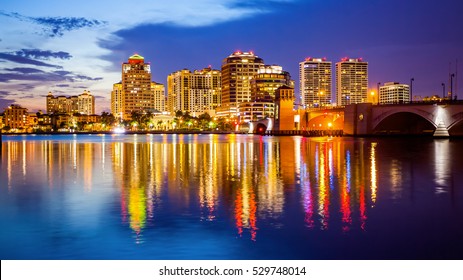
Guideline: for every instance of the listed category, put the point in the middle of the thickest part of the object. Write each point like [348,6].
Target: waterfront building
[158,91]
[351,81]
[116,100]
[195,93]
[253,111]
[315,82]
[82,104]
[86,103]
[238,70]
[285,117]
[136,94]
[15,117]
[267,80]
[394,93]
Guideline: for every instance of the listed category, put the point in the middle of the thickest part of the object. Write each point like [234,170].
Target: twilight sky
[67,47]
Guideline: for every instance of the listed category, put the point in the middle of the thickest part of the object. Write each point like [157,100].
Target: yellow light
[372,93]
[330,124]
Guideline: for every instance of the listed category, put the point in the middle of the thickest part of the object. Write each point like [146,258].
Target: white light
[119,130]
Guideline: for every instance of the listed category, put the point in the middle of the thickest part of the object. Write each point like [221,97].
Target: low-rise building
[394,93]
[15,118]
[253,111]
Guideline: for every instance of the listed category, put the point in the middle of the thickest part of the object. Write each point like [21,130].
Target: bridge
[435,119]
[439,120]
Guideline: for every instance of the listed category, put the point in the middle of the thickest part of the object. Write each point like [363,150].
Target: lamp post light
[377,90]
[443,90]
[411,89]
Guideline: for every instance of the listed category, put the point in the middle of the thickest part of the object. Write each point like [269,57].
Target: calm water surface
[230,197]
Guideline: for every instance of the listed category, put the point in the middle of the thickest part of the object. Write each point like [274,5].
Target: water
[230,197]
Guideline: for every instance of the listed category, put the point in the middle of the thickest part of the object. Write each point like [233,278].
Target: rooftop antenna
[456,78]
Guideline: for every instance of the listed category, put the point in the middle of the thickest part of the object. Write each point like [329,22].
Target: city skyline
[66,48]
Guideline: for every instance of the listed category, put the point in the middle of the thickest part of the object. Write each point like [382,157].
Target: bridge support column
[441,130]
[357,119]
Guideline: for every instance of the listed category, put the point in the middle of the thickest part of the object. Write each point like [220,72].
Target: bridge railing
[305,133]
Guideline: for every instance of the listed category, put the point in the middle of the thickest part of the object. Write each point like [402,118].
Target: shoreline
[425,136]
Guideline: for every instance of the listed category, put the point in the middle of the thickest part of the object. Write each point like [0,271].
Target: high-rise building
[238,70]
[351,81]
[158,91]
[394,93]
[86,103]
[177,91]
[116,100]
[136,87]
[83,104]
[315,82]
[195,93]
[267,80]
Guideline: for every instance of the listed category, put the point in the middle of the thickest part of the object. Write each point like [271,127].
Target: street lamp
[443,90]
[451,86]
[411,89]
[377,89]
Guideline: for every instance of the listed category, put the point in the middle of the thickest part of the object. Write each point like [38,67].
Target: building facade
[159,93]
[83,104]
[284,109]
[351,81]
[136,87]
[116,101]
[254,111]
[394,93]
[238,70]
[267,80]
[16,117]
[315,82]
[196,93]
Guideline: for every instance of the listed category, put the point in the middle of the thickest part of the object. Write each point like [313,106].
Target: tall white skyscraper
[351,81]
[315,82]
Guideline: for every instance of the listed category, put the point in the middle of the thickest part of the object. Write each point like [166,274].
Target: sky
[66,47]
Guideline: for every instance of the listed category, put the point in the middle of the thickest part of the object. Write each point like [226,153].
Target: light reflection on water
[162,196]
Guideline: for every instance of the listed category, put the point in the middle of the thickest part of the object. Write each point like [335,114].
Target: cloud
[62,85]
[56,26]
[40,54]
[31,74]
[24,70]
[24,60]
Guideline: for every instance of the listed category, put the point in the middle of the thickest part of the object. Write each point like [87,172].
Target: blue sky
[68,46]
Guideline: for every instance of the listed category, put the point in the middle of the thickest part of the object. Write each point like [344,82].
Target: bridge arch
[403,122]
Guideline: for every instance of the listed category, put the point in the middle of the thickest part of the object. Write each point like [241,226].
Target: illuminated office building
[394,93]
[196,93]
[351,81]
[267,80]
[238,70]
[315,82]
